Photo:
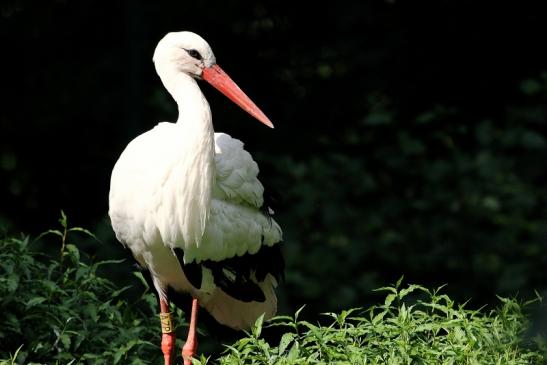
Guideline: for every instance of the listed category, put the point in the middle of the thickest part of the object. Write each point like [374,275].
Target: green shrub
[60,311]
[63,311]
[427,330]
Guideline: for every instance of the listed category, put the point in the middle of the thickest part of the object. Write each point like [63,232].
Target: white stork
[188,204]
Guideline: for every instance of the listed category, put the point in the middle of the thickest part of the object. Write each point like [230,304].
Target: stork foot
[189,351]
[190,347]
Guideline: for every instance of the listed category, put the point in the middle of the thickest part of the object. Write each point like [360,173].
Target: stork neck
[192,174]
[194,120]
[192,105]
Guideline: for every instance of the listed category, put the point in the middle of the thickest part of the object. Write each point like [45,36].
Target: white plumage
[142,200]
[182,186]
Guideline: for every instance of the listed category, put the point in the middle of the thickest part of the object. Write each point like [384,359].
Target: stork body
[188,204]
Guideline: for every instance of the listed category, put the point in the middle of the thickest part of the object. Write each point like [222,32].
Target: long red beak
[215,76]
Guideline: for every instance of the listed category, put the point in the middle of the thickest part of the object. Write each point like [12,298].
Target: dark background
[410,136]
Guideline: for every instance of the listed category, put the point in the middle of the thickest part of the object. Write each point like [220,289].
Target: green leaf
[378,317]
[404,292]
[389,299]
[12,283]
[90,311]
[35,301]
[73,252]
[83,230]
[386,288]
[285,341]
[307,324]
[257,328]
[297,313]
[65,340]
[63,219]
[294,352]
[50,231]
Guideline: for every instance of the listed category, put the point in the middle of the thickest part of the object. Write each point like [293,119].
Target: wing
[236,173]
[238,263]
[236,224]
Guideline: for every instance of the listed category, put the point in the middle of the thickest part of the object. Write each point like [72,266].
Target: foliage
[443,197]
[427,329]
[62,311]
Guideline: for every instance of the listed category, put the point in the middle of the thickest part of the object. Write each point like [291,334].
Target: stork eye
[195,54]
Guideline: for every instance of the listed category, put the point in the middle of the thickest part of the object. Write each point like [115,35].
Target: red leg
[191,345]
[168,332]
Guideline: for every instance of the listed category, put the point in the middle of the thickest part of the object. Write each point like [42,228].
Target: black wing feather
[192,270]
[235,280]
[235,275]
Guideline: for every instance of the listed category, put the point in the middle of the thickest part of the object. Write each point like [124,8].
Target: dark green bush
[56,311]
[441,197]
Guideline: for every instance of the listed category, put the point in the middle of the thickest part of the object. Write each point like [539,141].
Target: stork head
[188,53]
[184,51]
